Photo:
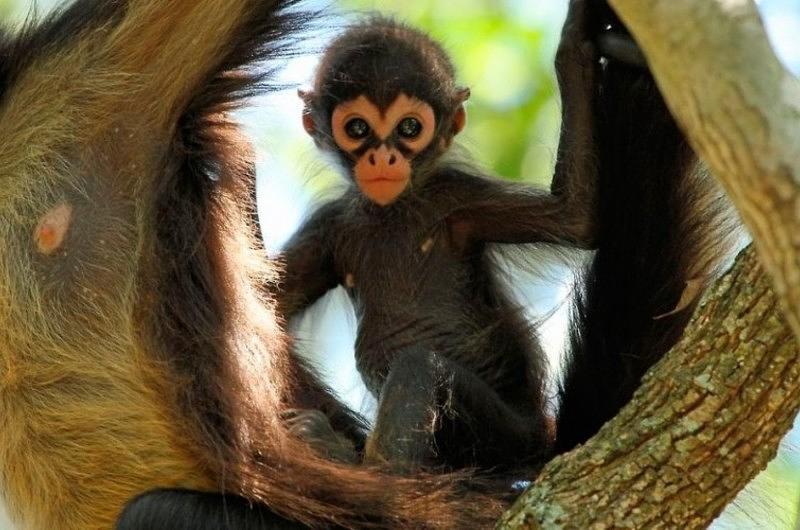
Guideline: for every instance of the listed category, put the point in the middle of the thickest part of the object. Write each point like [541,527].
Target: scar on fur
[52,229]
[427,245]
[349,281]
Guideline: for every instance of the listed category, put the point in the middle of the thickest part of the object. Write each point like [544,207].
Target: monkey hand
[314,428]
[614,42]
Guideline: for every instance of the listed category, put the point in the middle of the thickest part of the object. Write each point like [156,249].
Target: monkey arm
[575,178]
[316,415]
[574,183]
[501,212]
[495,211]
[308,263]
[313,412]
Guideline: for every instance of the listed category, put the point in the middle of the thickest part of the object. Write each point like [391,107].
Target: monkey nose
[382,155]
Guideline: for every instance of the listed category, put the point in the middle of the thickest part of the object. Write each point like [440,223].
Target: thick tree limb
[706,420]
[711,414]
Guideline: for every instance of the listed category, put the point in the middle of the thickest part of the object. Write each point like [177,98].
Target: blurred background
[503,50]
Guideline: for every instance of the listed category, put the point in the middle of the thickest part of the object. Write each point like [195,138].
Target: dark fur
[193,510]
[663,224]
[459,373]
[383,59]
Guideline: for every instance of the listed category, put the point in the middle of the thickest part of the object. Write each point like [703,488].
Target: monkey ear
[459,120]
[460,117]
[308,122]
[308,119]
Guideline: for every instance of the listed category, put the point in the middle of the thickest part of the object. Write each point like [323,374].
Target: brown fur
[142,354]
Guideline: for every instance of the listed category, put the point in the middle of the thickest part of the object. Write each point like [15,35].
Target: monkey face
[382,144]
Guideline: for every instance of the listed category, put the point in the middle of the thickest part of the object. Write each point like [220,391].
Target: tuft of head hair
[381,58]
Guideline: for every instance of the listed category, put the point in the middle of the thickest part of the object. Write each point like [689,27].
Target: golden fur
[86,411]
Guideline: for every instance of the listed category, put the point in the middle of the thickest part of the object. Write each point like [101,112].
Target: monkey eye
[357,129]
[409,128]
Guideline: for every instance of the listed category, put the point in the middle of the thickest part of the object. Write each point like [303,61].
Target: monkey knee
[420,380]
[417,396]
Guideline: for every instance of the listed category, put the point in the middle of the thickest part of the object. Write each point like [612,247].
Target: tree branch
[706,420]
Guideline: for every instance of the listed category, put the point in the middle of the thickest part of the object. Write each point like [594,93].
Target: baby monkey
[457,370]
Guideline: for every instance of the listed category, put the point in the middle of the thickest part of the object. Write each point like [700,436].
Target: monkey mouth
[383,179]
[383,189]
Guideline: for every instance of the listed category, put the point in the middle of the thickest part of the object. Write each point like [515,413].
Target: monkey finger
[576,47]
[307,431]
[309,423]
[621,48]
[310,414]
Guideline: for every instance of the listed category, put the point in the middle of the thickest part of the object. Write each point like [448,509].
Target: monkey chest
[389,271]
[407,293]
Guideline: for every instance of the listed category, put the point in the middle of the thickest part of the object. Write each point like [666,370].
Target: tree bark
[706,420]
[711,414]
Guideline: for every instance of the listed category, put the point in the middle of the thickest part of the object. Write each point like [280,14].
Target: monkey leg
[434,413]
[173,509]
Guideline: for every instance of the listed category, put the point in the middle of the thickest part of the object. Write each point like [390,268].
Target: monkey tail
[665,232]
[244,375]
[216,330]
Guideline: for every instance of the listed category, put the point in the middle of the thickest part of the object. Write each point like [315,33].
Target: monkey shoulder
[456,179]
[459,188]
[318,231]
[325,216]
[462,196]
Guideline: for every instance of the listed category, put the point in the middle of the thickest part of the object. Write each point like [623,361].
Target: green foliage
[7,8]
